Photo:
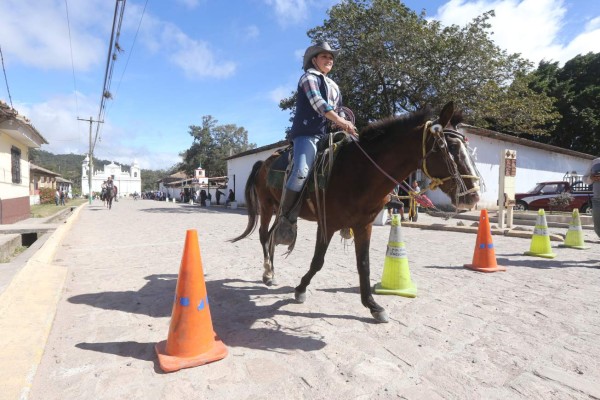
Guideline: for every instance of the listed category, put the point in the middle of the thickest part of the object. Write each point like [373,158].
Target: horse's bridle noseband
[439,135]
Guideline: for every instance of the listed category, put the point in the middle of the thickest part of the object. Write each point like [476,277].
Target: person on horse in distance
[317,100]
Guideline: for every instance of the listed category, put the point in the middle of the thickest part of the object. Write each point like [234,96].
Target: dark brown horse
[107,195]
[362,176]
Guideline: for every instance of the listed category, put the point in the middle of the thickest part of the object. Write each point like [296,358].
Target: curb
[27,310]
[468,229]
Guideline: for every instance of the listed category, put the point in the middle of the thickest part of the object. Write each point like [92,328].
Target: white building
[17,137]
[536,162]
[239,167]
[126,182]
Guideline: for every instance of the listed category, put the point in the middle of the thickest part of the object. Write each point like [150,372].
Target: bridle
[439,135]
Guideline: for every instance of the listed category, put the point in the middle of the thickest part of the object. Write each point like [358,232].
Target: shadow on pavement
[187,209]
[236,316]
[543,263]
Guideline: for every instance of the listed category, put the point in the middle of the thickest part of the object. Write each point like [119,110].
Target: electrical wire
[73,68]
[130,50]
[5,78]
[110,63]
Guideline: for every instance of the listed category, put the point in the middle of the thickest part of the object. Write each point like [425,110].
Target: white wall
[533,165]
[9,190]
[240,168]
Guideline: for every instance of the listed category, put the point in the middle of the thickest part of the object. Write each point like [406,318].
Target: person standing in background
[592,177]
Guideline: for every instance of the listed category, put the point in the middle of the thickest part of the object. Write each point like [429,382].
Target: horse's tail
[252,202]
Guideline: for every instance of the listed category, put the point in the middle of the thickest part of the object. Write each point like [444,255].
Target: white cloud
[191,4]
[252,32]
[194,57]
[289,12]
[279,93]
[41,38]
[56,120]
[530,27]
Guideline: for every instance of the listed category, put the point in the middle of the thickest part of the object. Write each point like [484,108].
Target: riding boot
[285,230]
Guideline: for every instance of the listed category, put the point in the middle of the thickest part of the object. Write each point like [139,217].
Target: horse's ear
[446,114]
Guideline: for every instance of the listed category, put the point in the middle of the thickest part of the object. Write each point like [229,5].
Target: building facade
[536,162]
[127,183]
[17,137]
[240,165]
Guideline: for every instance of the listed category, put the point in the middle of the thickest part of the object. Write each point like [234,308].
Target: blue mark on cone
[203,303]
[184,301]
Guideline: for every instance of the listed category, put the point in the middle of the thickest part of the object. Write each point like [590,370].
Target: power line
[110,62]
[5,78]
[131,49]
[72,62]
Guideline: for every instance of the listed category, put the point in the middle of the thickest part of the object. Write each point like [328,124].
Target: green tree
[394,60]
[150,177]
[576,90]
[212,143]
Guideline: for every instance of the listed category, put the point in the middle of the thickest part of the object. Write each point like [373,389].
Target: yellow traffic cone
[540,241]
[396,275]
[574,238]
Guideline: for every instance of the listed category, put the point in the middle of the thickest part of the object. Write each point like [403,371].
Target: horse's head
[448,161]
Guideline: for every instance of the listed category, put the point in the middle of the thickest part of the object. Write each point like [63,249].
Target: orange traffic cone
[191,341]
[484,256]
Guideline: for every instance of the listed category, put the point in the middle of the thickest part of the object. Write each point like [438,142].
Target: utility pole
[91,158]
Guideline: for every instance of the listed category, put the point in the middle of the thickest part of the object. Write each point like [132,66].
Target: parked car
[543,193]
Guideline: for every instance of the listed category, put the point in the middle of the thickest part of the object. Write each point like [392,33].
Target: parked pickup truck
[541,195]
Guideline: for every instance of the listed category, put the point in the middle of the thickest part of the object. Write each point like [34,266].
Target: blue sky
[231,59]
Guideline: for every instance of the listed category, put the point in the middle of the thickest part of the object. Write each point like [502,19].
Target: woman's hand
[341,123]
[349,127]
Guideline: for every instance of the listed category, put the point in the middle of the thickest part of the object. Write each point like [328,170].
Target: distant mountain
[69,167]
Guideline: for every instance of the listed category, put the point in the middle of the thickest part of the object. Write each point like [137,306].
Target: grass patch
[16,252]
[49,209]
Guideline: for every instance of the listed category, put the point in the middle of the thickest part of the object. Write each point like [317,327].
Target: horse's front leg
[263,234]
[362,241]
[315,265]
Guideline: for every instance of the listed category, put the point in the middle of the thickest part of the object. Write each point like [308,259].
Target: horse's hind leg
[263,234]
[362,240]
[315,266]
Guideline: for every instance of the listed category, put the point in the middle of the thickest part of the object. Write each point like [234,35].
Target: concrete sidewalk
[466,335]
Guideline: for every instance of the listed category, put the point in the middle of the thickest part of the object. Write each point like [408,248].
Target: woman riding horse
[362,176]
[317,100]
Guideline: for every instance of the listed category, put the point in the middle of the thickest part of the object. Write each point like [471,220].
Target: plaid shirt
[309,83]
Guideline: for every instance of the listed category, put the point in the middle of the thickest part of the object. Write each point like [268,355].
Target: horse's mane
[393,124]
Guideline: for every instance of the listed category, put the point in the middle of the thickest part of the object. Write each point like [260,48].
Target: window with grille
[15,154]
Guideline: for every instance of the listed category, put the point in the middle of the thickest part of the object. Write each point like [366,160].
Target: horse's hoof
[269,281]
[380,316]
[300,296]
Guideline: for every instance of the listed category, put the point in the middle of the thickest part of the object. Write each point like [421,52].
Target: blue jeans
[596,213]
[305,151]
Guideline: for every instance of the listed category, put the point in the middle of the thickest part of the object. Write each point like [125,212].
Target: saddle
[323,160]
